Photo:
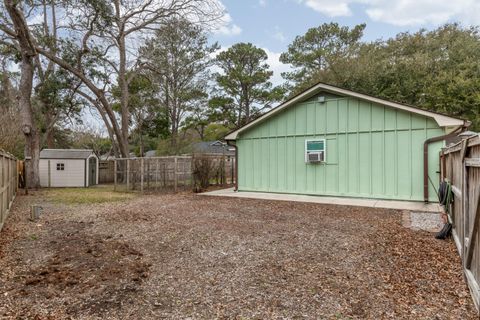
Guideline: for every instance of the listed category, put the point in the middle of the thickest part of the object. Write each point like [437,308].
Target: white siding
[43,166]
[72,176]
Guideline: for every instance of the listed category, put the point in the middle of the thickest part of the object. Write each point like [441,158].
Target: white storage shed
[68,168]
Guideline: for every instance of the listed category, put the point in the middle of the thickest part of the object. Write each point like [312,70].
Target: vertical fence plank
[1,188]
[128,174]
[175,174]
[142,172]
[157,168]
[465,211]
[8,184]
[115,175]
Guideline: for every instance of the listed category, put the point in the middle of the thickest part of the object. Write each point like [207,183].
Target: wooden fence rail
[461,166]
[172,173]
[8,184]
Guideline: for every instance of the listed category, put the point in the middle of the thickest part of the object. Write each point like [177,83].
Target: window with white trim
[315,151]
[60,166]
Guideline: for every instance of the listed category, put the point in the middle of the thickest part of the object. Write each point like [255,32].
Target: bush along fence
[159,174]
[460,165]
[8,184]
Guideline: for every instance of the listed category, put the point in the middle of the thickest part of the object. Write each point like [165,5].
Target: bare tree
[112,35]
[97,46]
[23,41]
[19,38]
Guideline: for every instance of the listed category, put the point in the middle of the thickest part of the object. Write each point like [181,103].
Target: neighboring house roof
[213,147]
[107,157]
[151,154]
[441,119]
[460,137]
[65,153]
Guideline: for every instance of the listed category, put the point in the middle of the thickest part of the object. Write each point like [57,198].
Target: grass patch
[92,195]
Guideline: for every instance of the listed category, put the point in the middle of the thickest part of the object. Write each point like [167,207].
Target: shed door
[92,171]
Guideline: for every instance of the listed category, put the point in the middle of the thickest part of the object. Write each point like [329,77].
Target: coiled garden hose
[445,197]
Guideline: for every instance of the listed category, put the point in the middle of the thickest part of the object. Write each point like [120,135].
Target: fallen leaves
[189,256]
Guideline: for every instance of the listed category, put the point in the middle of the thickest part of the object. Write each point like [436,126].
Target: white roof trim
[442,120]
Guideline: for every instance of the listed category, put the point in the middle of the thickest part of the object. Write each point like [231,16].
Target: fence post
[176,176]
[142,172]
[8,183]
[2,173]
[148,174]
[128,174]
[157,172]
[115,175]
[18,176]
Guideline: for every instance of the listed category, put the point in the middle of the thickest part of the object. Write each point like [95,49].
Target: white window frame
[60,165]
[324,149]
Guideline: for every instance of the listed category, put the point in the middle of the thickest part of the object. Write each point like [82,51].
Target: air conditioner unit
[315,156]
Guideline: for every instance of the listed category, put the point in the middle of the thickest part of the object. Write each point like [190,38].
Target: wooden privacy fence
[173,173]
[8,184]
[461,166]
[106,171]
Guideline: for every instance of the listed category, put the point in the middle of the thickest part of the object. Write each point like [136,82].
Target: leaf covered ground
[192,256]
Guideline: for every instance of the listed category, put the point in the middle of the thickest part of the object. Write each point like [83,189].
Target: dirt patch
[103,272]
[190,256]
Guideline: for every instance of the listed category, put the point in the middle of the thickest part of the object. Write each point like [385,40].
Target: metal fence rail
[175,173]
[461,166]
[8,184]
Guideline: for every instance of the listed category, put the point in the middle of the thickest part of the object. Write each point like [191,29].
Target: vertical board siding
[72,176]
[371,151]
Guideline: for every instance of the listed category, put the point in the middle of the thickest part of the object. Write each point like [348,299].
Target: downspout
[425,155]
[236,163]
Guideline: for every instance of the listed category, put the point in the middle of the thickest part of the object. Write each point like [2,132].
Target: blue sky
[273,24]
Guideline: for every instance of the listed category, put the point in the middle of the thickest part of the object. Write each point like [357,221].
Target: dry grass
[186,256]
[92,195]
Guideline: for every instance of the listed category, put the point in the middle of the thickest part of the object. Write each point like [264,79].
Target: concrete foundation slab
[373,203]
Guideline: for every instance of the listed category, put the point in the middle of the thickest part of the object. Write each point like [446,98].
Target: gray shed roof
[65,153]
[213,147]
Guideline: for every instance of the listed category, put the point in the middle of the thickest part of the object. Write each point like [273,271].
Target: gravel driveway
[191,256]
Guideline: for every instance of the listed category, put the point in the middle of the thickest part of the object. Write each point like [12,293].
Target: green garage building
[331,141]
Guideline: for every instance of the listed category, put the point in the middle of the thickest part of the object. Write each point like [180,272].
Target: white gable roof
[441,119]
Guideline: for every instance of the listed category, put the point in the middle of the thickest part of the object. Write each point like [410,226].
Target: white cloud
[332,8]
[411,12]
[276,66]
[262,3]
[403,12]
[227,27]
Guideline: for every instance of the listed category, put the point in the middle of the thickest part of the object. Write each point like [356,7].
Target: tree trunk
[30,131]
[49,136]
[29,128]
[122,81]
[50,139]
